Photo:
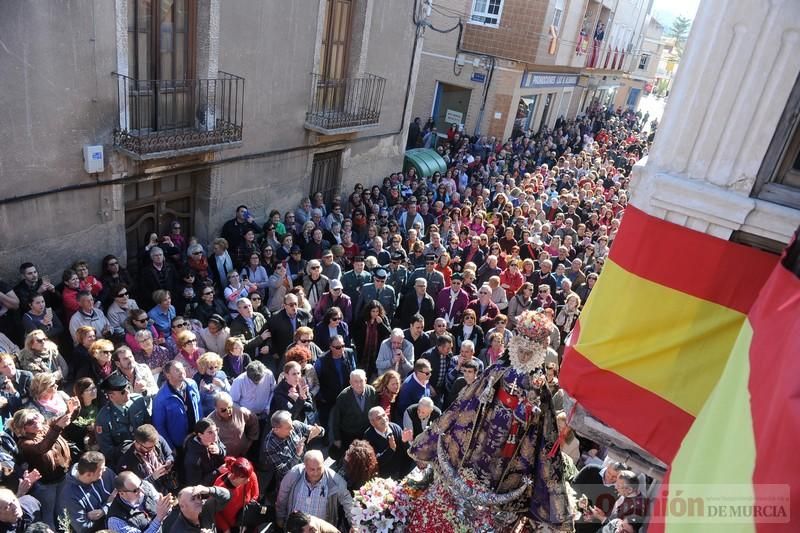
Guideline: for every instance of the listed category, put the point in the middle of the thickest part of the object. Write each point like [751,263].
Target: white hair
[425,402]
[314,455]
[358,373]
[468,344]
[223,396]
[311,264]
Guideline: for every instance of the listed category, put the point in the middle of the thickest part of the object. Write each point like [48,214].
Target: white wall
[736,74]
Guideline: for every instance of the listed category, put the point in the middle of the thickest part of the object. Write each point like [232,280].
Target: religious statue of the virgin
[494,452]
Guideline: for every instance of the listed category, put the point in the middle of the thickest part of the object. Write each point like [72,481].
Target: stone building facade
[198,105]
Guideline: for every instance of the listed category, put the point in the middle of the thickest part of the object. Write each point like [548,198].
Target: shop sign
[535,80]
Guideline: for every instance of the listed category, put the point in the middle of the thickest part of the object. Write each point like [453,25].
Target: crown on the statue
[535,326]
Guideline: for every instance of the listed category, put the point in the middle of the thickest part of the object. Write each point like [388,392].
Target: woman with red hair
[239,477]
[360,464]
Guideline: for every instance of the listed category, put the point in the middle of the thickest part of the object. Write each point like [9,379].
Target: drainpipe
[485,96]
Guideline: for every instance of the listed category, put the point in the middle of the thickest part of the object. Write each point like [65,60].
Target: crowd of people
[263,378]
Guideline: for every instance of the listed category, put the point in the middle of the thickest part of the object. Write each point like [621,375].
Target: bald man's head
[10,509]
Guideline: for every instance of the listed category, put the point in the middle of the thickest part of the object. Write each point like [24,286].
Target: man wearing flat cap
[398,274]
[434,278]
[379,290]
[117,420]
[355,279]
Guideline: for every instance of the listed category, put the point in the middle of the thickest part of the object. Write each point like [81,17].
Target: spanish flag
[657,332]
[690,346]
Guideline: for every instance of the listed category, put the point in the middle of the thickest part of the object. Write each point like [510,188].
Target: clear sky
[665,11]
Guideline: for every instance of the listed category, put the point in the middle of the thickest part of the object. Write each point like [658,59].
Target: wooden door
[151,206]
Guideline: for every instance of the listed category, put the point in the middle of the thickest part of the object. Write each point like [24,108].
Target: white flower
[384,525]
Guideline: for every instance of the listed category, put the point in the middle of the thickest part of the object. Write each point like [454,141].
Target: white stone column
[735,77]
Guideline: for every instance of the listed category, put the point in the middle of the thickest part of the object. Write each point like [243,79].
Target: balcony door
[161,60]
[334,53]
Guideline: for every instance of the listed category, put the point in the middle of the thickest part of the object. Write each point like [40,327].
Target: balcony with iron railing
[165,118]
[344,105]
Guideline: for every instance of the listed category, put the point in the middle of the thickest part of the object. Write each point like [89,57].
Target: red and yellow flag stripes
[774,385]
[739,461]
[659,327]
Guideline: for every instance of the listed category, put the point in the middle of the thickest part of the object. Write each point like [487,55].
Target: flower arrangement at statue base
[438,510]
[381,506]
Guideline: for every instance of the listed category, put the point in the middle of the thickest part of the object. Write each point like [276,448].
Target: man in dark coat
[149,456]
[252,326]
[390,443]
[597,484]
[417,301]
[350,416]
[137,506]
[282,326]
[159,274]
[197,507]
[333,369]
[420,415]
[234,229]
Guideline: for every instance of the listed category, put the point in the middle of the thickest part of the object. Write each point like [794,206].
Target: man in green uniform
[117,420]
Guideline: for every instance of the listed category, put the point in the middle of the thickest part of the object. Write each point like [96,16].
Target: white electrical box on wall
[93,161]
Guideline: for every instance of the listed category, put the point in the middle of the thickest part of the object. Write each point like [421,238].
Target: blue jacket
[169,413]
[410,393]
[79,499]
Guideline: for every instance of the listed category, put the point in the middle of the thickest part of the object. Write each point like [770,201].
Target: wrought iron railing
[346,102]
[167,115]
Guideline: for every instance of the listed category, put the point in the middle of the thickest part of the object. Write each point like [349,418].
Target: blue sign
[478,77]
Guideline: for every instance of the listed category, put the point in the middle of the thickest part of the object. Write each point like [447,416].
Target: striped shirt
[312,499]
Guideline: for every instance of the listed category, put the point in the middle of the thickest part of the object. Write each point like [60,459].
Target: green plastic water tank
[425,160]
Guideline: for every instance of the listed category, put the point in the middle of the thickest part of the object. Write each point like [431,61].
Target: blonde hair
[100,345]
[22,418]
[303,330]
[184,336]
[30,336]
[41,382]
[207,359]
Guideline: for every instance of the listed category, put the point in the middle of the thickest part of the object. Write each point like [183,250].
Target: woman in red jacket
[239,477]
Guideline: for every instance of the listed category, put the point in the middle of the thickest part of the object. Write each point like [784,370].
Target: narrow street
[654,106]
